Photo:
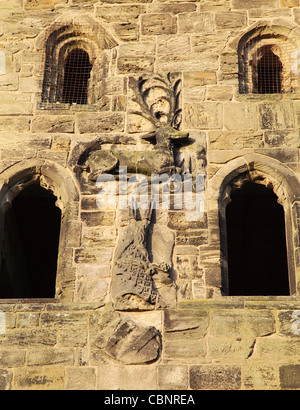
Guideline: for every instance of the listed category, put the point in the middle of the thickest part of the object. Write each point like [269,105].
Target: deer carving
[158,102]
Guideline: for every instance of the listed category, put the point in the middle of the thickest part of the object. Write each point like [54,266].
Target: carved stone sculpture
[158,102]
[133,282]
[123,339]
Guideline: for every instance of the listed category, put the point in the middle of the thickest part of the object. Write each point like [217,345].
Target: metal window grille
[269,72]
[268,65]
[77,70]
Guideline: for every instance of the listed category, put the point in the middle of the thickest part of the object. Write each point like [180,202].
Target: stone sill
[66,107]
[244,302]
[267,97]
[47,304]
[27,300]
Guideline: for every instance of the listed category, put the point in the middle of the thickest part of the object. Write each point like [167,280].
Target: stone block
[284,155]
[224,348]
[289,3]
[14,123]
[276,115]
[171,377]
[254,4]
[276,349]
[282,138]
[92,290]
[195,238]
[156,24]
[83,378]
[215,377]
[142,49]
[16,107]
[102,256]
[180,321]
[290,376]
[178,220]
[225,140]
[133,65]
[230,20]
[73,336]
[289,323]
[42,4]
[120,14]
[57,319]
[240,116]
[28,338]
[28,319]
[47,357]
[127,31]
[12,5]
[53,123]
[196,22]
[220,93]
[61,143]
[261,376]
[128,377]
[100,122]
[206,115]
[196,79]
[6,377]
[98,218]
[30,85]
[39,378]
[193,350]
[9,82]
[242,323]
[12,358]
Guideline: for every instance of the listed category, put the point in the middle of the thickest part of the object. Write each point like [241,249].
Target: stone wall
[80,339]
[225,344]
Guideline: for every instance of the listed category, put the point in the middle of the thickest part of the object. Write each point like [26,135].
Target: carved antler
[158,98]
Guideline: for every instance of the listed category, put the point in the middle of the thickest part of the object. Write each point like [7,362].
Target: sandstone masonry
[142,300]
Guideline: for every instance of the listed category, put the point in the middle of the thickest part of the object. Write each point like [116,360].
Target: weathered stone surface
[42,4]
[6,379]
[204,339]
[104,122]
[53,124]
[215,377]
[276,116]
[125,340]
[261,323]
[260,376]
[41,378]
[172,377]
[289,376]
[203,116]
[159,24]
[239,4]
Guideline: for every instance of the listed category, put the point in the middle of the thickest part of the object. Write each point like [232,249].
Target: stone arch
[59,40]
[272,174]
[60,182]
[281,38]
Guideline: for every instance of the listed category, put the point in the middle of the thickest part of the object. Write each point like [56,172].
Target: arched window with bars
[268,62]
[76,65]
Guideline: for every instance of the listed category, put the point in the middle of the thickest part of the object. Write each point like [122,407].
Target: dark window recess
[257,253]
[269,73]
[77,71]
[30,245]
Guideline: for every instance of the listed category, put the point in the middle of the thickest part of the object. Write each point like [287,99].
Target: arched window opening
[269,72]
[30,245]
[77,69]
[256,243]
